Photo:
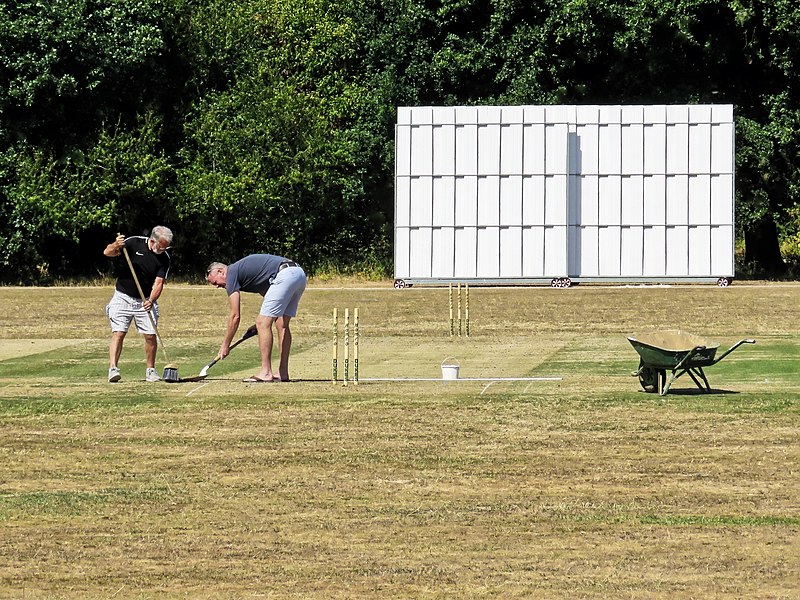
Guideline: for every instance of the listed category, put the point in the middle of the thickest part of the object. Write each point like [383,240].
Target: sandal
[256,379]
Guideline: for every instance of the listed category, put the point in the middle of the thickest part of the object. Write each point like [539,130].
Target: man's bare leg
[150,346]
[284,345]
[265,341]
[115,348]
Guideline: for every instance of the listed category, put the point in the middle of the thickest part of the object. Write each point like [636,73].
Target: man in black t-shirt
[151,263]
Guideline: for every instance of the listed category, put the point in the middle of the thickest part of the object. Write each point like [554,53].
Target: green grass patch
[719,521]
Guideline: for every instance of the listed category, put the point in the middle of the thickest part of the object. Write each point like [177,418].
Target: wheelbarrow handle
[734,347]
[688,357]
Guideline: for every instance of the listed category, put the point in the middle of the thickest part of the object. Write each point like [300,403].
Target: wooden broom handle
[141,295]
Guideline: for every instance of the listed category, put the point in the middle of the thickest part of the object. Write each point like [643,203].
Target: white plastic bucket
[450,369]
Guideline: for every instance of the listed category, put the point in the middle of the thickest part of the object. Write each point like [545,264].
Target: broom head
[171,374]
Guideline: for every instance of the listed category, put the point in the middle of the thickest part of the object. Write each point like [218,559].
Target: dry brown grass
[583,488]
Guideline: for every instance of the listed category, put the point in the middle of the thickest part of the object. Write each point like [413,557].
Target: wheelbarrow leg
[698,372]
[663,386]
[667,384]
[683,367]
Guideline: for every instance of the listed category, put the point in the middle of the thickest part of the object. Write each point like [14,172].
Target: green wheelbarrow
[678,353]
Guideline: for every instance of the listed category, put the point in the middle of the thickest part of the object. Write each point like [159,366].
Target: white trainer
[151,375]
[114,375]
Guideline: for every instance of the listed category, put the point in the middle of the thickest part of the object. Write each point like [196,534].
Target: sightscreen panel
[444,201]
[420,246]
[444,150]
[402,154]
[699,148]
[610,200]
[556,149]
[466,249]
[533,200]
[654,243]
[677,148]
[589,245]
[678,251]
[700,251]
[511,201]
[422,149]
[555,255]
[632,148]
[466,149]
[609,248]
[533,251]
[534,149]
[466,201]
[488,252]
[655,200]
[443,248]
[610,140]
[489,149]
[655,148]
[722,251]
[677,200]
[511,149]
[722,148]
[402,202]
[586,159]
[699,199]
[488,201]
[402,258]
[555,200]
[511,252]
[721,199]
[421,201]
[632,204]
[632,251]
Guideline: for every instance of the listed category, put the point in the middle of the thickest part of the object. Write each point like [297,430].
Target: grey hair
[161,233]
[215,265]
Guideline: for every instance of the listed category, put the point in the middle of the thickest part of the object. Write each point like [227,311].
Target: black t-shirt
[147,264]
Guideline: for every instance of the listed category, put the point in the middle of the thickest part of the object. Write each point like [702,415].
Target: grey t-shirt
[253,273]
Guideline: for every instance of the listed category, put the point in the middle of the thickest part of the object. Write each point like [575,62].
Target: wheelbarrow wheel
[648,377]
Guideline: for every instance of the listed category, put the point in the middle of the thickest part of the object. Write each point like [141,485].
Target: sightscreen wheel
[399,284]
[561,282]
[723,281]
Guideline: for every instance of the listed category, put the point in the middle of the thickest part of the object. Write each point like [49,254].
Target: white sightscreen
[635,191]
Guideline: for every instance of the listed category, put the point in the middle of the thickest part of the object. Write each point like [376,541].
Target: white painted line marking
[461,379]
[197,388]
[486,387]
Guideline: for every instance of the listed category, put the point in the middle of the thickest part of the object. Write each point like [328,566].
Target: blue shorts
[284,293]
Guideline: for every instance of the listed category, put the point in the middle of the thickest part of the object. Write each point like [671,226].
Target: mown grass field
[581,488]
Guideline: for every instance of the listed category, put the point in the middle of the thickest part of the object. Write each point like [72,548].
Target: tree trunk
[762,247]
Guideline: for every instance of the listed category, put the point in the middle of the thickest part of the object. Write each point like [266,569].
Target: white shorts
[122,309]
[284,293]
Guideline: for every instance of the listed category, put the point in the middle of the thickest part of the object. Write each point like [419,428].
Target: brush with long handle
[251,331]
[170,370]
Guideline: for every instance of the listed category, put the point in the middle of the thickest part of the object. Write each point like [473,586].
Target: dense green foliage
[267,125]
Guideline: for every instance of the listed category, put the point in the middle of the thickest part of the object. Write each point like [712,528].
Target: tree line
[268,125]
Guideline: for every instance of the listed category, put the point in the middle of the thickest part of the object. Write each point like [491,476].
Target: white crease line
[486,387]
[197,388]
[493,379]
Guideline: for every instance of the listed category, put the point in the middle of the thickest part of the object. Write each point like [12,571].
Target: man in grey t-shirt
[281,282]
